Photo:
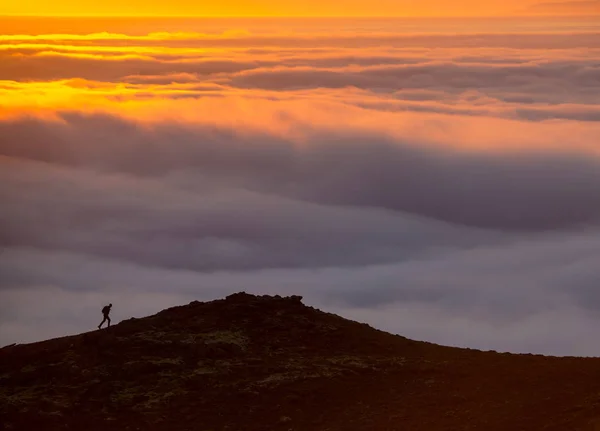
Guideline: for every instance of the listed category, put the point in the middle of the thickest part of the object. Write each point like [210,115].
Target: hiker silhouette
[105,312]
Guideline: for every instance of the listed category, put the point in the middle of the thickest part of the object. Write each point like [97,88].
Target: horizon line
[516,15]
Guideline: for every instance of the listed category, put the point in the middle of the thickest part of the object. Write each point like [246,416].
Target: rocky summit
[271,363]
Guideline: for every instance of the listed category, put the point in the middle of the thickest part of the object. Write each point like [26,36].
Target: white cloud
[447,195]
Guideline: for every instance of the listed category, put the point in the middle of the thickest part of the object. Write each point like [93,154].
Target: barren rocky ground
[270,363]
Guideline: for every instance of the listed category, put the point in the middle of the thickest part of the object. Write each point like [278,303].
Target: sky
[439,179]
[314,8]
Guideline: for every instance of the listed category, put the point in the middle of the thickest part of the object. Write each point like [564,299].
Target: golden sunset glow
[309,8]
[125,69]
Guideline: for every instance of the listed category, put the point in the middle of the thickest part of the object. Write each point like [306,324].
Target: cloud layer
[443,187]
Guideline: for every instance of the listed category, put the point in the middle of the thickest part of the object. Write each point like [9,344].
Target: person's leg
[108,318]
[102,323]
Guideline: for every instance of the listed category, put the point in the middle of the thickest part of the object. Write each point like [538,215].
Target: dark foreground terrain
[269,363]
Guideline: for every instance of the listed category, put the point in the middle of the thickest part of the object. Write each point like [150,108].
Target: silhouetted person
[105,312]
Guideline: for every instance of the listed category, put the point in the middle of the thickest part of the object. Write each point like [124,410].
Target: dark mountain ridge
[271,363]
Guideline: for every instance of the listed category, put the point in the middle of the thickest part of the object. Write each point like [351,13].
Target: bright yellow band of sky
[380,8]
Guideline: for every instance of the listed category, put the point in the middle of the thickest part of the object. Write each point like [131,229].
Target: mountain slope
[269,363]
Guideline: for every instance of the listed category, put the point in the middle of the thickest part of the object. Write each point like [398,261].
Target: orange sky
[303,8]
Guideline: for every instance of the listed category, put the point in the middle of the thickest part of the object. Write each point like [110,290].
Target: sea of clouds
[441,186]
